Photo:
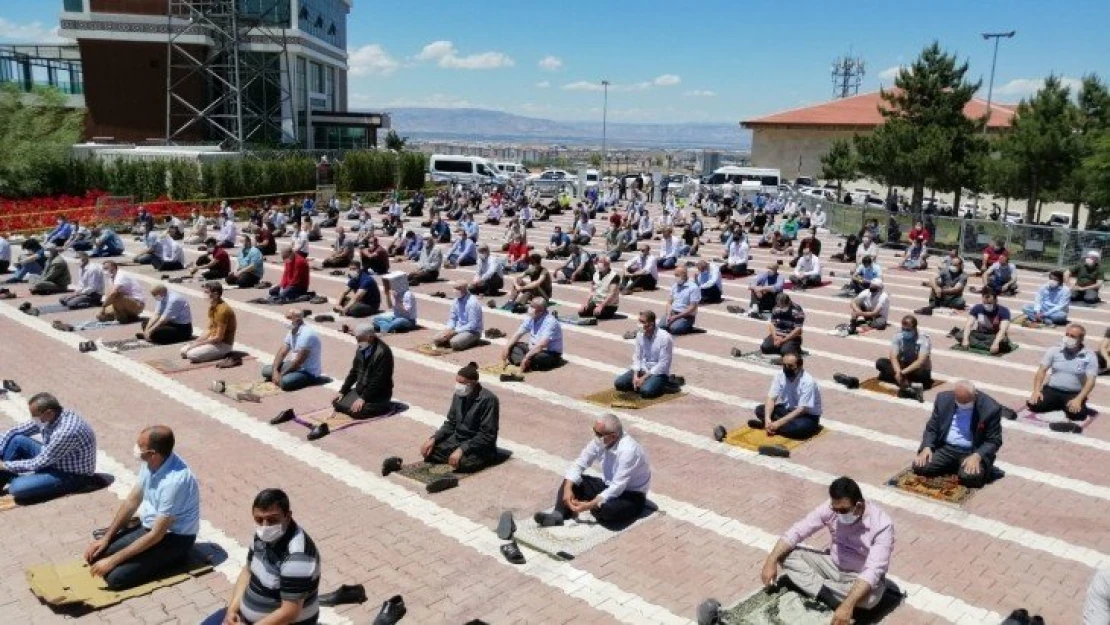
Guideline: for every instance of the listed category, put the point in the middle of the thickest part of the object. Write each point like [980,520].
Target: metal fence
[1031,246]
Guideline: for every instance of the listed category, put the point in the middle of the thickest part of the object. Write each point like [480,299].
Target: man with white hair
[962,437]
[544,348]
[464,321]
[429,263]
[619,495]
[1085,279]
[871,307]
[90,285]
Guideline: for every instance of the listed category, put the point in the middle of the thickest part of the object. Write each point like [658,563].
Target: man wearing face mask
[463,252]
[294,277]
[464,321]
[963,436]
[125,300]
[793,405]
[534,282]
[987,327]
[807,273]
[429,263]
[784,329]
[361,298]
[544,349]
[64,462]
[852,574]
[172,321]
[218,340]
[488,279]
[870,307]
[1085,279]
[1001,276]
[619,495]
[1065,379]
[641,272]
[170,256]
[298,363]
[708,281]
[467,440]
[604,293]
[250,266]
[281,580]
[867,271]
[55,276]
[947,290]
[167,502]
[909,360]
[682,304]
[368,387]
[651,360]
[90,286]
[1051,303]
[764,292]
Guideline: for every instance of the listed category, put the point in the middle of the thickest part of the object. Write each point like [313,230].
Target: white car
[549,174]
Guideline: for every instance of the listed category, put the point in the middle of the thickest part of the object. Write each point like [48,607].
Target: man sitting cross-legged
[793,405]
[1085,279]
[297,364]
[167,501]
[962,437]
[851,576]
[173,319]
[947,291]
[651,360]
[909,360]
[1050,306]
[464,321]
[361,298]
[579,266]
[401,303]
[219,338]
[544,348]
[488,274]
[429,263]
[862,276]
[250,266]
[55,276]
[534,282]
[1001,276]
[295,277]
[987,327]
[807,272]
[467,440]
[619,495]
[682,304]
[90,285]
[124,301]
[64,462]
[708,280]
[641,271]
[368,387]
[765,291]
[1065,379]
[784,329]
[870,307]
[604,293]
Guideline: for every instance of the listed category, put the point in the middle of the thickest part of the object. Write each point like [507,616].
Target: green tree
[1092,119]
[595,160]
[1097,169]
[394,141]
[36,133]
[925,137]
[839,164]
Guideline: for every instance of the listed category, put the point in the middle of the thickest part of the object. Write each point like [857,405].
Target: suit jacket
[474,421]
[371,378]
[986,424]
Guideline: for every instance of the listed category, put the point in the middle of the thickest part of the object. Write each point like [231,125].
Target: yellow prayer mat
[7,502]
[875,385]
[752,439]
[612,398]
[944,488]
[261,389]
[431,349]
[498,368]
[71,583]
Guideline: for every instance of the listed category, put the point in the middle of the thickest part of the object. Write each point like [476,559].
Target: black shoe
[506,526]
[735,352]
[548,519]
[283,417]
[25,306]
[910,392]
[775,451]
[10,385]
[719,433]
[734,309]
[1065,426]
[320,431]
[955,333]
[1008,413]
[1017,617]
[709,612]
[755,424]
[392,611]
[826,597]
[391,464]
[512,553]
[511,377]
[442,483]
[849,381]
[344,594]
[927,310]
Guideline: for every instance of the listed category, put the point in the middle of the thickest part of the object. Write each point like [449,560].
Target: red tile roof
[862,111]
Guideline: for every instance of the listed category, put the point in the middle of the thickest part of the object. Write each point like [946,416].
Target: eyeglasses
[600,435]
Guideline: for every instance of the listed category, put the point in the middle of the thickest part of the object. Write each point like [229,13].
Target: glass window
[302,85]
[75,6]
[325,20]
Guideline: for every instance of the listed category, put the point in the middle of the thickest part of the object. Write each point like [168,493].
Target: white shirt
[669,247]
[300,241]
[870,303]
[870,250]
[653,354]
[5,250]
[810,267]
[91,280]
[128,287]
[405,306]
[227,232]
[802,391]
[623,467]
[738,252]
[710,278]
[645,225]
[649,264]
[172,251]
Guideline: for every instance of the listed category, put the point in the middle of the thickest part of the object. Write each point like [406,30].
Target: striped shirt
[287,569]
[69,445]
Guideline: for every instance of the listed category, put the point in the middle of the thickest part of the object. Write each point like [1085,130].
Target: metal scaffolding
[236,51]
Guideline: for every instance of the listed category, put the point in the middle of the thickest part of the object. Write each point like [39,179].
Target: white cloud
[371,59]
[32,32]
[664,80]
[1027,87]
[543,84]
[551,63]
[444,54]
[584,85]
[700,93]
[890,73]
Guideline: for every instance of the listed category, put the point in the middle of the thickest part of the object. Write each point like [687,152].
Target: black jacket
[986,424]
[473,421]
[371,378]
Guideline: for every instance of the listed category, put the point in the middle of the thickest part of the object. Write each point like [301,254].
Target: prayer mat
[842,331]
[790,286]
[612,398]
[430,349]
[49,309]
[177,364]
[261,389]
[71,584]
[875,385]
[1025,322]
[498,368]
[944,488]
[127,345]
[767,360]
[752,439]
[579,321]
[103,480]
[338,421]
[984,352]
[574,536]
[1045,419]
[94,324]
[781,606]
[427,472]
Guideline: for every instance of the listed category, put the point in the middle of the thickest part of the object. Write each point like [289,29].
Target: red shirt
[615,219]
[517,251]
[919,233]
[992,253]
[295,272]
[221,261]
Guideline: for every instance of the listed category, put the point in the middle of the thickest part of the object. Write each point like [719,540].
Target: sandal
[512,553]
[229,362]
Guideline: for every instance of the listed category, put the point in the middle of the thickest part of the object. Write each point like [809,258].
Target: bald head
[156,440]
[964,392]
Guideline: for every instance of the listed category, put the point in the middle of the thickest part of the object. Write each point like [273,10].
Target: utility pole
[604,124]
[847,75]
[994,61]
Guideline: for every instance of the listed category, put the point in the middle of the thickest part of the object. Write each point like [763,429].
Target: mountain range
[470,124]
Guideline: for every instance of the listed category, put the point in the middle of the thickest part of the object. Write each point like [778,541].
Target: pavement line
[599,594]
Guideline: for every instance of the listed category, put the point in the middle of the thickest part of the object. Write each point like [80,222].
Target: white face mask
[462,390]
[1052,284]
[988,307]
[1070,343]
[269,533]
[138,453]
[848,518]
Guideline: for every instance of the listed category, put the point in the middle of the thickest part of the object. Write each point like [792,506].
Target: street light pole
[604,124]
[994,61]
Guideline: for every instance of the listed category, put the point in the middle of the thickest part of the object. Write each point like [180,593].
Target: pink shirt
[864,547]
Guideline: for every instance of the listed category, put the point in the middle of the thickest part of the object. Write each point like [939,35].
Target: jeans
[682,325]
[40,485]
[669,262]
[799,428]
[25,270]
[1058,318]
[389,323]
[145,567]
[291,380]
[654,386]
[621,509]
[105,251]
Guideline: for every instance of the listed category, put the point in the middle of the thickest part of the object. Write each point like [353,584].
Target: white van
[512,170]
[1060,219]
[464,169]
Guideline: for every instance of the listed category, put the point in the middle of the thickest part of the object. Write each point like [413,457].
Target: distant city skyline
[712,61]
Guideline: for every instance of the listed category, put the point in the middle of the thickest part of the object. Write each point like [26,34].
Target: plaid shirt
[69,445]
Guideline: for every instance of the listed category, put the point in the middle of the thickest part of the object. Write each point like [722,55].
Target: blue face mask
[909,335]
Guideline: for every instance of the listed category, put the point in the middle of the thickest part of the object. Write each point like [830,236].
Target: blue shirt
[464,249]
[545,327]
[365,282]
[171,491]
[305,339]
[1051,301]
[251,258]
[470,228]
[766,279]
[560,238]
[682,297]
[175,309]
[466,315]
[112,240]
[959,435]
[709,278]
[868,274]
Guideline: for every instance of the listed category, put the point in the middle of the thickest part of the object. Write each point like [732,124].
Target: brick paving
[368,535]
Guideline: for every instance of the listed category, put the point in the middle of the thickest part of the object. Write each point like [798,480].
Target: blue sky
[667,61]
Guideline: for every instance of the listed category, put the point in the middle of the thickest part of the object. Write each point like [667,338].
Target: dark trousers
[711,295]
[78,302]
[170,333]
[492,286]
[369,409]
[799,428]
[1053,399]
[644,282]
[360,310]
[593,310]
[626,507]
[766,302]
[469,463]
[167,553]
[166,265]
[979,339]
[288,293]
[5,265]
[421,277]
[789,347]
[244,281]
[542,361]
[213,274]
[886,373]
[947,460]
[46,288]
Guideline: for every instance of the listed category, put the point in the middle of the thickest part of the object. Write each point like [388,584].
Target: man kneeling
[962,437]
[467,440]
[651,360]
[368,388]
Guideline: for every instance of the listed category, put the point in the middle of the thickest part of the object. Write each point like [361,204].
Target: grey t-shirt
[1069,372]
[909,351]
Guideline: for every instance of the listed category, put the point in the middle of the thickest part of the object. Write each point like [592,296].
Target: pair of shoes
[25,306]
[393,610]
[1066,426]
[719,433]
[494,333]
[925,310]
[11,386]
[736,352]
[283,417]
[248,396]
[548,519]
[491,304]
[512,553]
[229,362]
[775,451]
[755,424]
[1021,617]
[353,593]
[61,325]
[734,309]
[440,294]
[323,318]
[910,392]
[86,346]
[849,381]
[391,464]
[320,431]
[629,335]
[511,377]
[335,272]
[442,483]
